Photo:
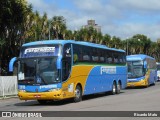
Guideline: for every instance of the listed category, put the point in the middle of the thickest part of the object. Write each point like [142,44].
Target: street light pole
[127,46]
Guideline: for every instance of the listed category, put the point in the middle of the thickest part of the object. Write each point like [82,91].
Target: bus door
[67,86]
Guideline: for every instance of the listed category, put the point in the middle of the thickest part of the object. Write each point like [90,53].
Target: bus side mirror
[12,63]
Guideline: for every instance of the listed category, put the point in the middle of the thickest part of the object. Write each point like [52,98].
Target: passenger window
[66,62]
[66,69]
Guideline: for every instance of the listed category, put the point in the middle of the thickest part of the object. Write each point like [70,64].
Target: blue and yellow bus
[142,70]
[62,69]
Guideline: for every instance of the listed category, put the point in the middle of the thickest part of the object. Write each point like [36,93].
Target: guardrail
[8,86]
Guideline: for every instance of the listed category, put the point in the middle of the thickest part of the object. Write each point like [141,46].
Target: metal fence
[8,86]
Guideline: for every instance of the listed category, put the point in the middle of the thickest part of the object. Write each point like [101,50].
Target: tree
[58,27]
[19,24]
[115,42]
[99,38]
[143,42]
[106,40]
[44,26]
[12,16]
[81,35]
[154,51]
[68,35]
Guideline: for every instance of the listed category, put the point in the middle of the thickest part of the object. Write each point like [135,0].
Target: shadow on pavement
[63,102]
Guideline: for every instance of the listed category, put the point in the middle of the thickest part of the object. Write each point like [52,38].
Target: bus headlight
[142,82]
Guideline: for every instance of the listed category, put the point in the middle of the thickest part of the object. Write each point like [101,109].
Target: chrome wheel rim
[77,93]
[114,88]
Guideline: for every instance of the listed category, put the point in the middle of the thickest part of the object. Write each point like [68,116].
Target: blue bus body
[141,70]
[81,68]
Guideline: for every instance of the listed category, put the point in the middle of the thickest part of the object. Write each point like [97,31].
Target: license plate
[37,96]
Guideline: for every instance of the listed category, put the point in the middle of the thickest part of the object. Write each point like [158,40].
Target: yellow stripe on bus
[79,75]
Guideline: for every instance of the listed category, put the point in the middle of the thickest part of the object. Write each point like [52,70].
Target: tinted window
[66,61]
[96,55]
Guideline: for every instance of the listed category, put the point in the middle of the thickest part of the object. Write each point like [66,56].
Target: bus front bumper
[55,95]
[141,83]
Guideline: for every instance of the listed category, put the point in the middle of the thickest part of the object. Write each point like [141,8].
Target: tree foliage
[19,24]
[12,17]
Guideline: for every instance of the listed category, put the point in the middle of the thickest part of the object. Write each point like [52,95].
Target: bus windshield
[135,69]
[40,71]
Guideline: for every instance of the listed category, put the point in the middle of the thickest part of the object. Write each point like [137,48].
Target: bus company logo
[68,50]
[68,54]
[39,50]
[6,114]
[108,70]
[47,86]
[21,114]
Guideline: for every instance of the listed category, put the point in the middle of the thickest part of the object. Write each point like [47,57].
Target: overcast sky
[121,18]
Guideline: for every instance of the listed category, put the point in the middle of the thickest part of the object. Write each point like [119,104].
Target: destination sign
[40,51]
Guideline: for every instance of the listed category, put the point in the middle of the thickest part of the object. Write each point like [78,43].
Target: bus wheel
[78,94]
[113,92]
[42,101]
[118,88]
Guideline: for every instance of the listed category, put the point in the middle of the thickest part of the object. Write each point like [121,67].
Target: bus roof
[62,42]
[138,57]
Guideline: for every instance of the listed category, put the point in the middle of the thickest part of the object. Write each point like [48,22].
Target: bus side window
[109,59]
[66,69]
[66,61]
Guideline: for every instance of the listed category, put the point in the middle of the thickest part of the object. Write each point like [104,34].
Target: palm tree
[154,51]
[82,34]
[106,40]
[68,35]
[58,27]
[99,37]
[45,29]
[12,17]
[91,34]
[143,43]
[38,28]
[115,41]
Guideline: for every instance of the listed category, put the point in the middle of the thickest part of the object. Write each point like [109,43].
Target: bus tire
[118,88]
[42,101]
[113,92]
[78,94]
